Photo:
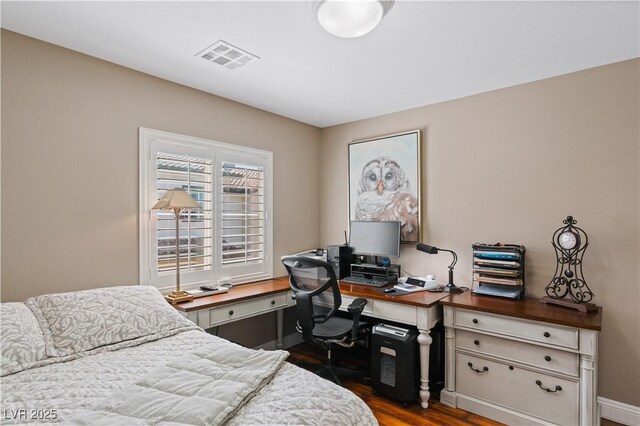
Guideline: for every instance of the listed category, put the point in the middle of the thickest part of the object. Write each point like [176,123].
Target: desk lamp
[450,287]
[177,200]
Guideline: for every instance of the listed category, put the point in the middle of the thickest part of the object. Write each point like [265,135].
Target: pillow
[84,320]
[22,342]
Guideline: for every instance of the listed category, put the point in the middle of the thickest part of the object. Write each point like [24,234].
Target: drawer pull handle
[546,334]
[273,302]
[475,321]
[484,369]
[511,367]
[539,383]
[547,358]
[231,312]
[476,342]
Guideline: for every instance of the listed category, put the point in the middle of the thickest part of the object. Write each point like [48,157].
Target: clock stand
[581,307]
[569,243]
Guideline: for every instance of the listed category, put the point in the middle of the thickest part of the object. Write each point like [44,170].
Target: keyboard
[365,281]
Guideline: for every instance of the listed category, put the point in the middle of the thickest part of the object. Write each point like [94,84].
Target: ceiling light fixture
[351,18]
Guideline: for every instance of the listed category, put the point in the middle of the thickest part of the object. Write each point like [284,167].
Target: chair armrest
[355,308]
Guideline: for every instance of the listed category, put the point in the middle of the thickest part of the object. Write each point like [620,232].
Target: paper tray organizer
[498,270]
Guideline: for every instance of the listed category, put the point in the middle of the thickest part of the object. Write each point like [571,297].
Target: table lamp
[450,287]
[177,200]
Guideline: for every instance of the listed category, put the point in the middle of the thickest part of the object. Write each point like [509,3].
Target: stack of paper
[498,270]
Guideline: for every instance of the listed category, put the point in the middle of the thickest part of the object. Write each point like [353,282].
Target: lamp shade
[351,18]
[176,199]
[427,248]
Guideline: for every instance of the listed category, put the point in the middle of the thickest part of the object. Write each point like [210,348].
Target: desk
[240,302]
[419,309]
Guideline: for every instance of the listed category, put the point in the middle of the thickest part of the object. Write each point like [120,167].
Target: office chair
[313,280]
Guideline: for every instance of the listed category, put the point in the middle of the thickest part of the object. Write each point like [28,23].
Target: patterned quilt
[84,377]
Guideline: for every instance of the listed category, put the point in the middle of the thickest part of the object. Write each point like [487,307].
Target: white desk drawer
[524,353]
[346,301]
[405,314]
[517,388]
[514,327]
[234,311]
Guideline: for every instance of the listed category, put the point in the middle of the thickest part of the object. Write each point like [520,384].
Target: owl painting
[384,182]
[384,194]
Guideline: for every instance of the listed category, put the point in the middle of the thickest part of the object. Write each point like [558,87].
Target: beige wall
[510,165]
[70,165]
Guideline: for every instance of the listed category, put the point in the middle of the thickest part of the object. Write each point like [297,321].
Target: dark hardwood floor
[389,412]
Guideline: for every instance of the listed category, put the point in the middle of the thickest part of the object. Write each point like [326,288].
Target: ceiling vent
[227,55]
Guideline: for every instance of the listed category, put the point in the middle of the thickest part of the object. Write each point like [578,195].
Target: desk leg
[424,340]
[280,324]
[450,359]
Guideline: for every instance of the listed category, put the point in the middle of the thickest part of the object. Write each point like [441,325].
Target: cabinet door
[527,391]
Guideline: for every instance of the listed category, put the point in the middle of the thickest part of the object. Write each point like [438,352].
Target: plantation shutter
[229,239]
[193,175]
[243,214]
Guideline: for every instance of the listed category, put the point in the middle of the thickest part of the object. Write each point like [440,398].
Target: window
[194,175]
[242,208]
[229,237]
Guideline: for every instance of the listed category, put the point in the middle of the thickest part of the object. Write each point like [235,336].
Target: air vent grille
[227,55]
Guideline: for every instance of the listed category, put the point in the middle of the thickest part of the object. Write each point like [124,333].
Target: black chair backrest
[308,278]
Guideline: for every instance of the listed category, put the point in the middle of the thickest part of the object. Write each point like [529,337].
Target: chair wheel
[366,381]
[405,404]
[376,393]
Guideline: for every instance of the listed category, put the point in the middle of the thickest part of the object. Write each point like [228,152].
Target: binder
[494,280]
[512,264]
[498,291]
[498,270]
[495,255]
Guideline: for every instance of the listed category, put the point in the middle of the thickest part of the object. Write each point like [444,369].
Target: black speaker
[395,362]
[341,258]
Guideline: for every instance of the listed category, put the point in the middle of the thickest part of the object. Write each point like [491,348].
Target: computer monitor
[375,238]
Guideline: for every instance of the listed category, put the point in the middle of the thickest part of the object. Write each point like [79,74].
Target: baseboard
[448,398]
[619,412]
[287,341]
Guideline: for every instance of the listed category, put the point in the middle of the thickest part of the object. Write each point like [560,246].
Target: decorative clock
[568,286]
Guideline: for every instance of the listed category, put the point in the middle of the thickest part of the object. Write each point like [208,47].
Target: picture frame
[385,177]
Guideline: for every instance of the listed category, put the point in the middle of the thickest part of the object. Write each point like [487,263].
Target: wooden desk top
[527,308]
[424,299]
[281,284]
[237,293]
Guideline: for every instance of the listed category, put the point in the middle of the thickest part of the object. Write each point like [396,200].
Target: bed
[122,355]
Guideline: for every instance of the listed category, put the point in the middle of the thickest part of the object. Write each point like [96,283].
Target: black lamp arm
[450,287]
[455,258]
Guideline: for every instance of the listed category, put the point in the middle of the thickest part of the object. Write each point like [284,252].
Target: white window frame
[152,141]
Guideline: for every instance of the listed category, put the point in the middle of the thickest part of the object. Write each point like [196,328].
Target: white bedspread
[294,396]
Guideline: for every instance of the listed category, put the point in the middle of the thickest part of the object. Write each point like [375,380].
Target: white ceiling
[422,52]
